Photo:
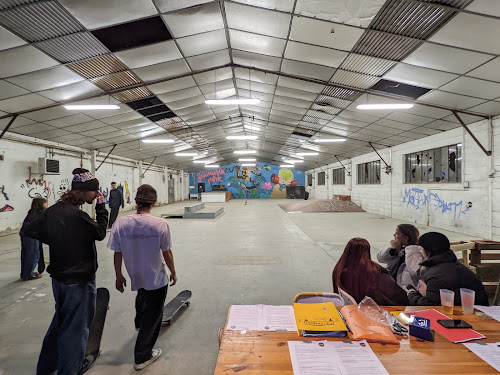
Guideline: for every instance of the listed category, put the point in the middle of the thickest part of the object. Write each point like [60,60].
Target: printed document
[493,311]
[261,318]
[490,353]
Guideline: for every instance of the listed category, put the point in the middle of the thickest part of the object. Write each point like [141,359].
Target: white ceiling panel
[33,129]
[9,40]
[447,59]
[292,101]
[187,106]
[471,32]
[257,20]
[149,55]
[23,60]
[212,76]
[256,60]
[48,114]
[265,99]
[402,126]
[282,5]
[122,118]
[409,118]
[255,86]
[81,128]
[442,125]
[485,7]
[262,77]
[426,131]
[303,69]
[163,70]
[256,43]
[288,108]
[46,79]
[23,102]
[297,94]
[417,76]
[20,121]
[468,119]
[490,71]
[300,84]
[98,131]
[94,14]
[473,87]
[450,100]
[203,43]
[69,120]
[172,85]
[209,60]
[490,108]
[324,33]
[382,129]
[364,117]
[51,134]
[194,20]
[313,54]
[178,95]
[8,90]
[73,91]
[422,110]
[179,104]
[211,88]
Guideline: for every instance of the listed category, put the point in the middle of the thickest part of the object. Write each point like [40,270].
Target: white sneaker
[156,353]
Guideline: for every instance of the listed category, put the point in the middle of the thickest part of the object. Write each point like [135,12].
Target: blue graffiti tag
[417,198]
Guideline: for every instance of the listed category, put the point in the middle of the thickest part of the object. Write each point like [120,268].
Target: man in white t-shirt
[144,243]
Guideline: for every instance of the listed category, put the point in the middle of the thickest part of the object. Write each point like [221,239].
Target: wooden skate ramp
[333,205]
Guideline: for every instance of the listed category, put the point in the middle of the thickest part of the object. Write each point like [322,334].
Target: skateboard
[93,346]
[175,305]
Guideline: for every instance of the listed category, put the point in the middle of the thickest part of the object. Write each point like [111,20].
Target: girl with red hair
[356,274]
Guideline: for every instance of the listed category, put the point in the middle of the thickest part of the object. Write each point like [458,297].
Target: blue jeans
[30,254]
[64,344]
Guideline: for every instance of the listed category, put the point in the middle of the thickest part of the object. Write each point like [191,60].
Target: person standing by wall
[30,247]
[71,235]
[115,201]
[144,243]
[308,191]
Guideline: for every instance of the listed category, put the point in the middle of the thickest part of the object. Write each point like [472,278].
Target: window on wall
[321,178]
[369,173]
[338,176]
[443,164]
[309,179]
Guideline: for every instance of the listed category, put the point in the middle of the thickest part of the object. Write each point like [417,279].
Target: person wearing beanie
[144,243]
[443,271]
[71,235]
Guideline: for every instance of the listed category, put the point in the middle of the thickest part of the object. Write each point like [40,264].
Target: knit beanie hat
[146,194]
[84,180]
[434,243]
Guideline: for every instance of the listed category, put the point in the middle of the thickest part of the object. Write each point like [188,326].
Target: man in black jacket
[71,235]
[443,271]
[115,201]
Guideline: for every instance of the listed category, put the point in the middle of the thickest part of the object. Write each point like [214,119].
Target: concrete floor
[252,254]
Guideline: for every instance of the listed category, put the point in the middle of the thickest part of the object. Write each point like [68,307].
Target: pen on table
[343,319]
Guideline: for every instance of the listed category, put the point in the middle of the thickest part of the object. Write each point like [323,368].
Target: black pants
[149,312]
[113,215]
[306,196]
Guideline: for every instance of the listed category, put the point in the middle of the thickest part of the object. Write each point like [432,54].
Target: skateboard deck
[175,305]
[96,328]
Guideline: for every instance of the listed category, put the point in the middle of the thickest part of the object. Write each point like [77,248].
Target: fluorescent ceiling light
[158,140]
[186,154]
[325,140]
[247,159]
[91,106]
[287,166]
[242,137]
[385,106]
[251,127]
[211,165]
[307,153]
[203,161]
[232,101]
[293,161]
[242,152]
[248,165]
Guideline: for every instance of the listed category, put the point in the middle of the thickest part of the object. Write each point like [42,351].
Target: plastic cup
[467,296]
[447,298]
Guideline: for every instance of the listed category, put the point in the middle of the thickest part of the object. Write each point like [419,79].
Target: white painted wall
[19,154]
[439,205]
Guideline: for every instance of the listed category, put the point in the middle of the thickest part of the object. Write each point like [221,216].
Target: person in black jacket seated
[71,235]
[443,271]
[356,274]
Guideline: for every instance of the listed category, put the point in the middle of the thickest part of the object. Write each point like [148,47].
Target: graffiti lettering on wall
[126,196]
[417,198]
[64,186]
[105,191]
[37,188]
[4,205]
[211,176]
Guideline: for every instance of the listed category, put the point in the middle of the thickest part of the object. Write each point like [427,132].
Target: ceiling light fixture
[307,153]
[186,154]
[248,165]
[326,140]
[385,106]
[242,152]
[202,161]
[247,159]
[287,166]
[232,101]
[211,165]
[293,161]
[242,137]
[158,140]
[91,106]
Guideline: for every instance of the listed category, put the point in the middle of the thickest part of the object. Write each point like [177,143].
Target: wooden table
[257,352]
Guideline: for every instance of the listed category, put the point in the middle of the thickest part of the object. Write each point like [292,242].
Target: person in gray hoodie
[404,256]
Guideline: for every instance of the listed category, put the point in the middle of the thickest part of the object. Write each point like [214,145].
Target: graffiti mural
[64,186]
[416,198]
[261,181]
[37,188]
[4,198]
[127,193]
[105,191]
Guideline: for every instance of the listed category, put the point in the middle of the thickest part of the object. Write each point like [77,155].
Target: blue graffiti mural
[417,198]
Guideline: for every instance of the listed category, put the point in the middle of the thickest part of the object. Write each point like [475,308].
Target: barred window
[369,173]
[321,178]
[309,180]
[338,176]
[443,164]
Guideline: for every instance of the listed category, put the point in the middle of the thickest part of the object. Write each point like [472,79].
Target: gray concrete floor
[252,254]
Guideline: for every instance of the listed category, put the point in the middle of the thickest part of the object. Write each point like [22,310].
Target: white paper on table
[490,353]
[493,311]
[357,358]
[277,318]
[313,358]
[245,317]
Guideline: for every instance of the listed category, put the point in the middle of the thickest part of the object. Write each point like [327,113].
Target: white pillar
[140,172]
[182,184]
[93,157]
[165,174]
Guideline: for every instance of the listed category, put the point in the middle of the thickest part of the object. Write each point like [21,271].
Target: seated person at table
[356,274]
[443,271]
[404,256]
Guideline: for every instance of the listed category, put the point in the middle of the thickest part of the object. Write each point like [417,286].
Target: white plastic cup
[467,296]
[447,298]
